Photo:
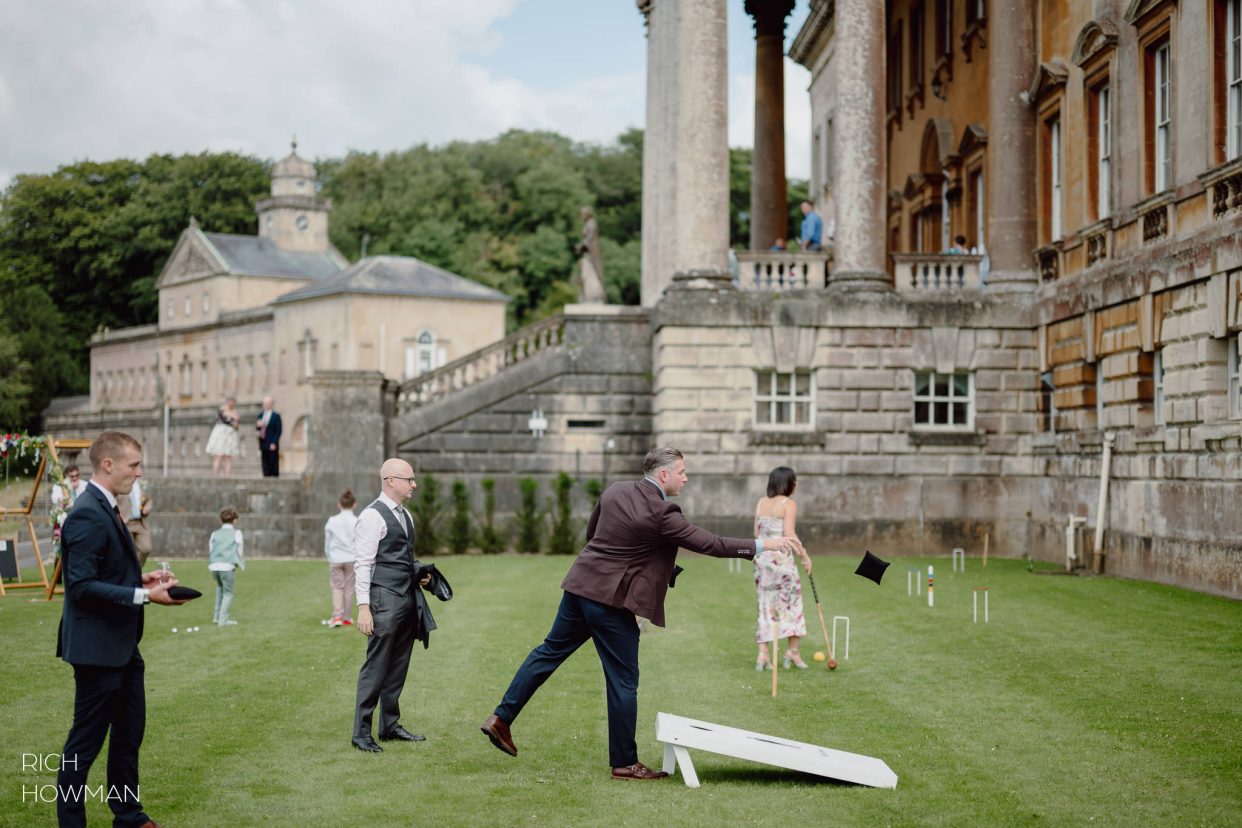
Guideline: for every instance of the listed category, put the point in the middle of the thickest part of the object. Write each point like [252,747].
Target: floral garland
[19,445]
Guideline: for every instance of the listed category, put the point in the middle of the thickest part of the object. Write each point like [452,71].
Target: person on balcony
[778,246]
[812,228]
[959,246]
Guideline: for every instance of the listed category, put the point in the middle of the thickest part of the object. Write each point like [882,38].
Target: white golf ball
[174,629]
[196,629]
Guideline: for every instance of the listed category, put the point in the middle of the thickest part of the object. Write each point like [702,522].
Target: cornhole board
[679,735]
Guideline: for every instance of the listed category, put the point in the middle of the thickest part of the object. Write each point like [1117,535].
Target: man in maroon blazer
[623,571]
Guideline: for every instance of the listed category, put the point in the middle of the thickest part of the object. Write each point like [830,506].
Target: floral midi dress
[777,587]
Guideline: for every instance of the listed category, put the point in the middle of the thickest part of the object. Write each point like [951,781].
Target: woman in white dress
[224,444]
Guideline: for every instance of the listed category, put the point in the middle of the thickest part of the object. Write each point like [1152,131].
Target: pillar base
[1011,281]
[860,280]
[702,280]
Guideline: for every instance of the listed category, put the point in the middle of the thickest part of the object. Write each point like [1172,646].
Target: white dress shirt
[339,537]
[369,531]
[76,493]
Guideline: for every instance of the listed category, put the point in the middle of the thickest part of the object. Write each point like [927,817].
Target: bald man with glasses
[389,606]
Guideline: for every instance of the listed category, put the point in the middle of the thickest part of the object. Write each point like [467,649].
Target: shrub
[460,534]
[528,517]
[426,513]
[594,488]
[562,540]
[491,540]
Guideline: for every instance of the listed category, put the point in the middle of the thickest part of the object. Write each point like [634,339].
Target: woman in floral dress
[777,585]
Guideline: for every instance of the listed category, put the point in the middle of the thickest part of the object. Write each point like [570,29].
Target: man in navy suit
[268,427]
[100,627]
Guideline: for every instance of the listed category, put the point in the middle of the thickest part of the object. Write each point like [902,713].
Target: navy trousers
[106,699]
[615,633]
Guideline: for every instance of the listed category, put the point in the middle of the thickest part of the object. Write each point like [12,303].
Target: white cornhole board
[679,734]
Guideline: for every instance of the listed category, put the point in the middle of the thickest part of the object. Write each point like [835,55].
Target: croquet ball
[832,664]
[819,655]
[174,629]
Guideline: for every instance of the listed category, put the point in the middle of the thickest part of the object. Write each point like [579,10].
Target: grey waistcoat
[394,559]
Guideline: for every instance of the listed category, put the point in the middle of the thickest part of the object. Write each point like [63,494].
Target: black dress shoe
[399,733]
[366,743]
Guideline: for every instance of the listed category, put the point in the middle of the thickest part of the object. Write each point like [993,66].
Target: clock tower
[295,218]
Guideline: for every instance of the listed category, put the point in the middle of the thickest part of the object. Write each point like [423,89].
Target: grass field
[1084,701]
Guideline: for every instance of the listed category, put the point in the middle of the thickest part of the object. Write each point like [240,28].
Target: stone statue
[590,265]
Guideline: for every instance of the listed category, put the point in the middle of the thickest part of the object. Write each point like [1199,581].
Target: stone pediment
[1096,37]
[974,137]
[192,258]
[914,186]
[1050,77]
[1139,9]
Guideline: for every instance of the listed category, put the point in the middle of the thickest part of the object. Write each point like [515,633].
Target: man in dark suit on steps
[624,571]
[269,429]
[100,627]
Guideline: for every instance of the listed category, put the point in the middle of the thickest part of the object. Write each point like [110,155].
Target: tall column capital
[769,15]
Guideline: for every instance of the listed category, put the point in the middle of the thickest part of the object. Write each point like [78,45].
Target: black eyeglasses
[409,480]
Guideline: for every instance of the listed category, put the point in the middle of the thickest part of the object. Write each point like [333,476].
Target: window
[1235,378]
[189,305]
[976,217]
[916,51]
[1052,178]
[1233,78]
[202,388]
[1158,387]
[1047,403]
[784,400]
[944,27]
[426,352]
[976,10]
[944,401]
[1101,147]
[171,313]
[1159,106]
[206,301]
[894,74]
[1100,382]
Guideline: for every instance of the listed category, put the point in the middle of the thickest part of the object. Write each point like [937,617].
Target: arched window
[426,351]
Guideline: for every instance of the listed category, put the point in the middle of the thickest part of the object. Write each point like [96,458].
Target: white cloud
[81,79]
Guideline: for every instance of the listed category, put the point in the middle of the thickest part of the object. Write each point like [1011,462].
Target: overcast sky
[104,79]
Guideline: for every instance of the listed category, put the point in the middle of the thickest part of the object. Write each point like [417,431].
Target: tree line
[80,247]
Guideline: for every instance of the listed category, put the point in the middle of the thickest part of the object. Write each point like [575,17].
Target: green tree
[15,384]
[426,514]
[562,538]
[460,536]
[527,518]
[491,540]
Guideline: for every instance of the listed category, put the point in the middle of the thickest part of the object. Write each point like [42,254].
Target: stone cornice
[1140,9]
[816,31]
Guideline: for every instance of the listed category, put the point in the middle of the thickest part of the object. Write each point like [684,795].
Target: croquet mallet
[819,608]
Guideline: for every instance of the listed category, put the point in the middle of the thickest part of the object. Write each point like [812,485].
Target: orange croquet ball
[819,655]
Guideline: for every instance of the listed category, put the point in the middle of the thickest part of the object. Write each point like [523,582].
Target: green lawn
[1084,701]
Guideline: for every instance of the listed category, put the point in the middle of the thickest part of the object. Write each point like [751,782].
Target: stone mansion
[1081,363]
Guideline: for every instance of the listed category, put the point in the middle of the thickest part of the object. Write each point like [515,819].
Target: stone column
[859,149]
[1011,146]
[769,218]
[659,174]
[700,211]
[347,436]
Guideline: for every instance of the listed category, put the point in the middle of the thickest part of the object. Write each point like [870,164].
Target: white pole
[931,598]
[1101,508]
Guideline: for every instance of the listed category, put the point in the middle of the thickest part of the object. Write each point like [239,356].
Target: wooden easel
[52,444]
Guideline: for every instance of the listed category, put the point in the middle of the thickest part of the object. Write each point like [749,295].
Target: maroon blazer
[632,542]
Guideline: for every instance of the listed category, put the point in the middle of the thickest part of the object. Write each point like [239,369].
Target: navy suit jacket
[273,431]
[100,623]
[632,541]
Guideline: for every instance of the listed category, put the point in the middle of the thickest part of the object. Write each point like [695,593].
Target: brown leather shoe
[637,771]
[498,731]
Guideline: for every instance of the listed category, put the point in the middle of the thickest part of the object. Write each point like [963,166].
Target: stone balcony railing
[543,336]
[930,272]
[778,270]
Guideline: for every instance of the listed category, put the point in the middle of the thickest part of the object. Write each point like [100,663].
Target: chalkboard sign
[8,557]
